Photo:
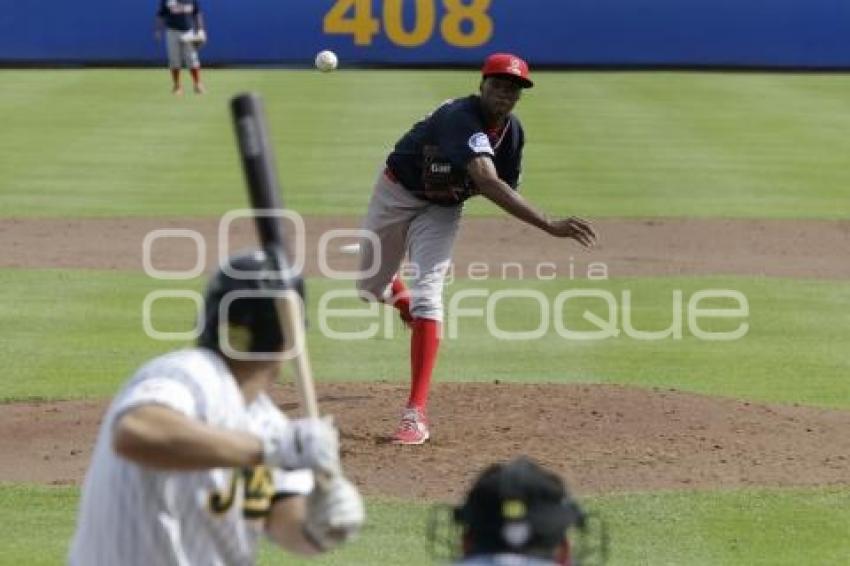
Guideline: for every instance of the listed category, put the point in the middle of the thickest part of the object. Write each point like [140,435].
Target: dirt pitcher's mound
[601,437]
[498,248]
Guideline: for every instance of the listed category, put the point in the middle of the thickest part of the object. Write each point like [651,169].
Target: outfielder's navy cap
[509,66]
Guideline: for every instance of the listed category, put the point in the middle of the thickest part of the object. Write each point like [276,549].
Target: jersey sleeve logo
[480,143]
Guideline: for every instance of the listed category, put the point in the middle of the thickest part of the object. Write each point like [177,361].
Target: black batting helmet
[238,302]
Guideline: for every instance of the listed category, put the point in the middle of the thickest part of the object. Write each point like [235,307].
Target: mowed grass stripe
[115,142]
[79,334]
[753,527]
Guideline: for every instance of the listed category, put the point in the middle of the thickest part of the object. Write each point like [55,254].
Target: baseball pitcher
[468,146]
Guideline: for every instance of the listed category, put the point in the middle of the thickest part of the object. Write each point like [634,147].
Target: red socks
[424,343]
[196,78]
[400,299]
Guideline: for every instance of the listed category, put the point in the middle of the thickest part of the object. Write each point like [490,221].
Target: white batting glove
[304,443]
[335,513]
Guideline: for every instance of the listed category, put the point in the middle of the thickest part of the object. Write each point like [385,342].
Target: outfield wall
[771,33]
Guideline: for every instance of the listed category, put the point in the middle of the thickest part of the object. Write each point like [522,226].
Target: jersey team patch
[480,143]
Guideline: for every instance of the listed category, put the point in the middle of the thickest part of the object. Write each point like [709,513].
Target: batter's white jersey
[133,515]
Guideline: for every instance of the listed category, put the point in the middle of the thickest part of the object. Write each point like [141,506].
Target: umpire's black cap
[517,507]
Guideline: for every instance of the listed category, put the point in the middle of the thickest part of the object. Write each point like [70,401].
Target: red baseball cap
[507,65]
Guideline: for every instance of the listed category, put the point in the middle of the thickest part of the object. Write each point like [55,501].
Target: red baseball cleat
[413,428]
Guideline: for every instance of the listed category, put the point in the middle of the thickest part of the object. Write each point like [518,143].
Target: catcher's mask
[240,314]
[520,508]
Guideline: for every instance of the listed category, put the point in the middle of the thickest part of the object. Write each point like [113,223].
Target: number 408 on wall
[465,23]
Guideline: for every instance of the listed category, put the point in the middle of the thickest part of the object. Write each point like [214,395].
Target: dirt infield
[651,247]
[605,438]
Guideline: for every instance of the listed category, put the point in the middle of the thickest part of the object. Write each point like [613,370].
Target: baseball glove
[195,38]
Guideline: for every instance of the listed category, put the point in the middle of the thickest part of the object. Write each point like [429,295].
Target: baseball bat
[258,165]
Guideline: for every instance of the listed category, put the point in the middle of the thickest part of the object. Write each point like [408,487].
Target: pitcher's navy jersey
[431,159]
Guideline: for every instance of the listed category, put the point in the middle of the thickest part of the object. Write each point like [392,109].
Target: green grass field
[115,143]
[752,527]
[794,350]
[99,143]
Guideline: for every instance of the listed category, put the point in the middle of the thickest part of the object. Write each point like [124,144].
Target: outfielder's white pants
[180,52]
[406,224]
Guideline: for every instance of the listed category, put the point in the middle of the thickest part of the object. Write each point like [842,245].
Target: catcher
[185,33]
[194,462]
[519,514]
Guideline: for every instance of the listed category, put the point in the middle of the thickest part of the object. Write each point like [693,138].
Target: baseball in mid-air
[326,61]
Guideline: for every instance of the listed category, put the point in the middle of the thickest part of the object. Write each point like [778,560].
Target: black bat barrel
[258,164]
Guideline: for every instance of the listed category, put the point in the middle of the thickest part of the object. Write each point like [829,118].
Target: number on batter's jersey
[257,490]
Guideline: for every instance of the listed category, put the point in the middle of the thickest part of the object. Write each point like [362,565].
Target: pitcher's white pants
[423,230]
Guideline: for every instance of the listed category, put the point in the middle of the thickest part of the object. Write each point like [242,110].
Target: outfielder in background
[467,146]
[194,462]
[185,32]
